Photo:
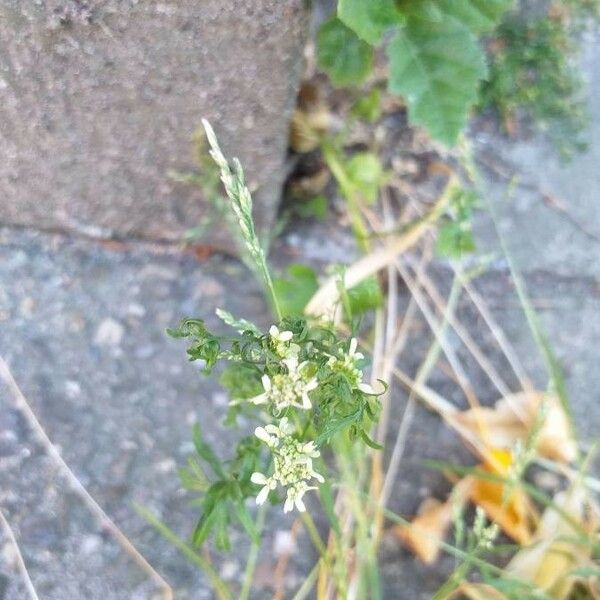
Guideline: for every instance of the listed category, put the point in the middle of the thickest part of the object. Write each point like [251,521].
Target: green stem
[314,534]
[218,584]
[253,555]
[271,289]
[308,584]
[348,190]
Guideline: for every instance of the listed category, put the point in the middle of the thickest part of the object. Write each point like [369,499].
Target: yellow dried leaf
[513,419]
[429,528]
[512,511]
[558,547]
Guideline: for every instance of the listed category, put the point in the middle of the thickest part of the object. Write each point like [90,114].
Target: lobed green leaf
[342,54]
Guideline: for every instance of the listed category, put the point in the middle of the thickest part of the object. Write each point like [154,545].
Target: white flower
[293,467]
[282,342]
[280,336]
[345,363]
[288,389]
[268,483]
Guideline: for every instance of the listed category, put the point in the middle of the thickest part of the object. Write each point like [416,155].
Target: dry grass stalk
[326,299]
[19,557]
[23,406]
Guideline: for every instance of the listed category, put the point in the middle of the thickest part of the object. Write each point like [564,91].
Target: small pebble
[229,570]
[284,542]
[109,333]
[136,310]
[72,389]
[90,544]
[166,466]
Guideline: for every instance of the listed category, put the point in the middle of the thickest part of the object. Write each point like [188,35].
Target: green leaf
[192,477]
[369,441]
[436,65]
[206,452]
[221,523]
[480,16]
[294,291]
[205,346]
[204,527]
[455,239]
[366,175]
[241,381]
[369,18]
[365,296]
[368,107]
[240,325]
[342,54]
[245,519]
[315,208]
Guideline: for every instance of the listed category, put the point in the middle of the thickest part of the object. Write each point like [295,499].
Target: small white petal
[285,336]
[258,478]
[274,331]
[260,399]
[306,405]
[289,504]
[353,346]
[291,364]
[300,505]
[318,477]
[262,435]
[266,381]
[312,384]
[262,495]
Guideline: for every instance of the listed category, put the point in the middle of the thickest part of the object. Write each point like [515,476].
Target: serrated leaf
[436,65]
[342,54]
[480,16]
[369,18]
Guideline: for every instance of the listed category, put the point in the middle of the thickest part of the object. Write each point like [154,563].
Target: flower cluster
[289,389]
[299,373]
[347,363]
[292,460]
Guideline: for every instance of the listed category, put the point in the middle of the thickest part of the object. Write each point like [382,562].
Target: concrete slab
[100,100]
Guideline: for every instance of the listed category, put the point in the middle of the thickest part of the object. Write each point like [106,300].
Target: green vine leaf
[369,19]
[342,54]
[436,65]
[480,16]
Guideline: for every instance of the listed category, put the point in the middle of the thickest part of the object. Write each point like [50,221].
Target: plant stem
[218,584]
[314,534]
[309,582]
[253,555]
[358,226]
